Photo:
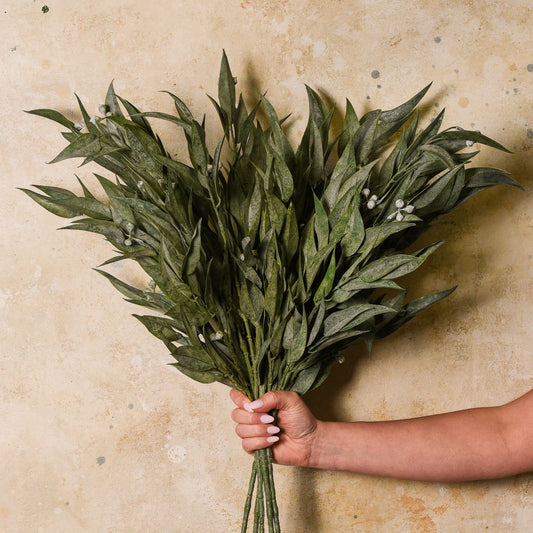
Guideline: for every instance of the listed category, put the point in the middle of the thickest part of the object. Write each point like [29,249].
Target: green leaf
[283,147]
[389,267]
[277,212]
[111,102]
[51,205]
[411,309]
[226,88]
[440,153]
[305,378]
[321,224]
[103,227]
[290,234]
[273,293]
[345,167]
[355,234]
[486,177]
[349,127]
[87,119]
[351,287]
[391,121]
[365,137]
[299,342]
[470,136]
[162,328]
[327,282]
[86,145]
[195,363]
[318,321]
[56,116]
[351,317]
[181,108]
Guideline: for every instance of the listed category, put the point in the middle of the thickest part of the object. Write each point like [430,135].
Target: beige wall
[96,433]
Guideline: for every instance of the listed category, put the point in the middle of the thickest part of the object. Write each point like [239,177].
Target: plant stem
[248,502]
[262,480]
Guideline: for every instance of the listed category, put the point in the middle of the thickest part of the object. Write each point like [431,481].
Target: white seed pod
[469,143]
[399,217]
[373,198]
[399,203]
[128,242]
[365,193]
[409,208]
[130,227]
[371,204]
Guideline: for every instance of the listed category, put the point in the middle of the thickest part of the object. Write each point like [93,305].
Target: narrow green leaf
[226,88]
[51,205]
[56,116]
[321,224]
[351,317]
[440,153]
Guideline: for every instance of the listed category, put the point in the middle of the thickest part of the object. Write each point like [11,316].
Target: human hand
[294,434]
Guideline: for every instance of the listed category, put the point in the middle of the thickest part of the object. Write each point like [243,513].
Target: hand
[294,434]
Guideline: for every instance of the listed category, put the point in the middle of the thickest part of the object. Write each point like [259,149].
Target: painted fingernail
[272,439]
[266,419]
[273,430]
[250,406]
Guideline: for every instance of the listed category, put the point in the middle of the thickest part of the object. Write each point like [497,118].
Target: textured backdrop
[96,433]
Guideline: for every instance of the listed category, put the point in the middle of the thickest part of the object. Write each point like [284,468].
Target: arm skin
[473,444]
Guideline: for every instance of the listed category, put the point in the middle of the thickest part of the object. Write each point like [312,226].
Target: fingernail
[272,439]
[266,419]
[273,429]
[250,406]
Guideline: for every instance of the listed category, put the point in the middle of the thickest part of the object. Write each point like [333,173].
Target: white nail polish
[250,406]
[266,419]
[273,430]
[273,439]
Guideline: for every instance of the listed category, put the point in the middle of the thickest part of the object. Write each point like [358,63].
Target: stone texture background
[96,433]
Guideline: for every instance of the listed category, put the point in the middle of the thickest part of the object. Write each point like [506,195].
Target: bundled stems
[262,481]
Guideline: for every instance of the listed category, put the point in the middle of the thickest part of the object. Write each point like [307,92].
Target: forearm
[457,446]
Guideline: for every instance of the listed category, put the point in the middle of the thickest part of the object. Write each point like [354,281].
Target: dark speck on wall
[375,74]
[437,39]
[100,460]
[530,67]
[45,9]
[529,133]
[130,406]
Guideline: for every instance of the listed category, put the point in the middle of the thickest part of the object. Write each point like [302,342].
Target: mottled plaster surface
[97,434]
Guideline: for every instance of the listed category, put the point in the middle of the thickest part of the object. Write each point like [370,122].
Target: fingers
[257,443]
[261,430]
[271,400]
[238,397]
[245,417]
[254,424]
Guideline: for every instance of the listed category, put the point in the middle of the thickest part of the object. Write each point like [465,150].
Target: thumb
[273,400]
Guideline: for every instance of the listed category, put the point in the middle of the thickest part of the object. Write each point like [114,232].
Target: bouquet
[268,261]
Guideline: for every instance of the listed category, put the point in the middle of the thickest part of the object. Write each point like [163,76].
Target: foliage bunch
[267,263]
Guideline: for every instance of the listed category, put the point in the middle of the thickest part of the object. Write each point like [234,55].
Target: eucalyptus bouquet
[265,264]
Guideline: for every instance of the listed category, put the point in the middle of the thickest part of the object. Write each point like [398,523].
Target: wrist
[315,458]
